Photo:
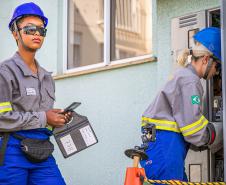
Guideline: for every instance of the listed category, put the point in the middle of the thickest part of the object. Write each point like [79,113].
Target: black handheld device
[71,107]
[76,135]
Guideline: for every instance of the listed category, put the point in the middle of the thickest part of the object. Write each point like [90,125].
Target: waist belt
[187,130]
[161,124]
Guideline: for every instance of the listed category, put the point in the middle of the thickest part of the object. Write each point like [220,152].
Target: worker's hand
[56,118]
[67,116]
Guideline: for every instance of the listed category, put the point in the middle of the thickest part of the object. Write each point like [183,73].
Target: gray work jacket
[178,107]
[24,96]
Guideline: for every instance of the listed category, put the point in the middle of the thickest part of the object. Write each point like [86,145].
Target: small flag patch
[195,99]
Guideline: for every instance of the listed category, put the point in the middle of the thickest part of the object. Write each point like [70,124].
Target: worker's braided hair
[189,55]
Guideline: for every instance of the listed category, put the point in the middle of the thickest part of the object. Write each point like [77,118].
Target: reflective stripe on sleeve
[161,124]
[194,127]
[5,107]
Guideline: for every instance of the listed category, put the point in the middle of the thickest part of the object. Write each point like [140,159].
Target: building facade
[113,57]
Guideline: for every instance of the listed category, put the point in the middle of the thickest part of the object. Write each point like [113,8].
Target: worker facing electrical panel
[201,165]
[177,111]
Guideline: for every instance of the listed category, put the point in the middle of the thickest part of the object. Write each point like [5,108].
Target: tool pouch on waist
[35,150]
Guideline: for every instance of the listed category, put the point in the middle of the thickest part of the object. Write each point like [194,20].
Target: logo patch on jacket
[30,91]
[195,99]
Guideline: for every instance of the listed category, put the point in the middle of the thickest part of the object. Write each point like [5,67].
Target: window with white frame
[129,31]
[85,35]
[75,48]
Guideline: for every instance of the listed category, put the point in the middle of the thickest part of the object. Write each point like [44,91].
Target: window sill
[113,65]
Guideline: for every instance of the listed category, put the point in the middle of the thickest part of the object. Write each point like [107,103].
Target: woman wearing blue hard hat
[177,111]
[26,106]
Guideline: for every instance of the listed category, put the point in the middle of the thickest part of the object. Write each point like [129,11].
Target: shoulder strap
[18,136]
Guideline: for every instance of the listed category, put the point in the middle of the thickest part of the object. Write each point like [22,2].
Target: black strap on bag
[5,139]
[35,150]
[18,136]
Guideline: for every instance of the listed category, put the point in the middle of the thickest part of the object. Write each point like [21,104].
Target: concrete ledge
[105,68]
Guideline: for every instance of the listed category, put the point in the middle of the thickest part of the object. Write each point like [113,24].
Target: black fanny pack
[35,150]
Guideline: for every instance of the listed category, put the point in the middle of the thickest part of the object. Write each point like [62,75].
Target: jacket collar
[192,69]
[25,69]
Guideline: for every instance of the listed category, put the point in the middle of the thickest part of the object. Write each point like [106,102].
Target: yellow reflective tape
[143,124]
[5,103]
[194,128]
[5,107]
[6,110]
[159,121]
[161,124]
[197,129]
[193,124]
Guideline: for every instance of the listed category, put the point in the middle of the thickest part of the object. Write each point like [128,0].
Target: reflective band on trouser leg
[161,124]
[5,107]
[194,127]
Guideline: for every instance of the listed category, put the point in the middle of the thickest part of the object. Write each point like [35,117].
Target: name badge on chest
[30,91]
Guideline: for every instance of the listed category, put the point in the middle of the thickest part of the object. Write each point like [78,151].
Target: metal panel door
[182,30]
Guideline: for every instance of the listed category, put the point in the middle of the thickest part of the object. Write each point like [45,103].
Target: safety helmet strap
[21,40]
[209,65]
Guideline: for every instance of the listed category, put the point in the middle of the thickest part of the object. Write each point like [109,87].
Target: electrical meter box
[201,166]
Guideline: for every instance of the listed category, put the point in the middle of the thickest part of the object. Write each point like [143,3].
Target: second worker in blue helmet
[177,111]
[27,95]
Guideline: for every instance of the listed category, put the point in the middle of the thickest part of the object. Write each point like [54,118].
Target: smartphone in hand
[71,107]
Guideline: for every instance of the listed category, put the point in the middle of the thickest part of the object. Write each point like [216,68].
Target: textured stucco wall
[113,101]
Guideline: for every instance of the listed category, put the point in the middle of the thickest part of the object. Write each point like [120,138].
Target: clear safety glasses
[31,30]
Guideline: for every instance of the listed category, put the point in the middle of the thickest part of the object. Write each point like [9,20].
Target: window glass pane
[85,32]
[130,28]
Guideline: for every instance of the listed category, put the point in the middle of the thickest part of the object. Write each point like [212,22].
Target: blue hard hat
[28,9]
[211,39]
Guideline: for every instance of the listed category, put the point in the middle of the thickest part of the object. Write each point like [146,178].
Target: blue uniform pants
[166,157]
[17,170]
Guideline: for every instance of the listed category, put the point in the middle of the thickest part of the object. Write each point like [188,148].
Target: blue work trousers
[166,157]
[17,170]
